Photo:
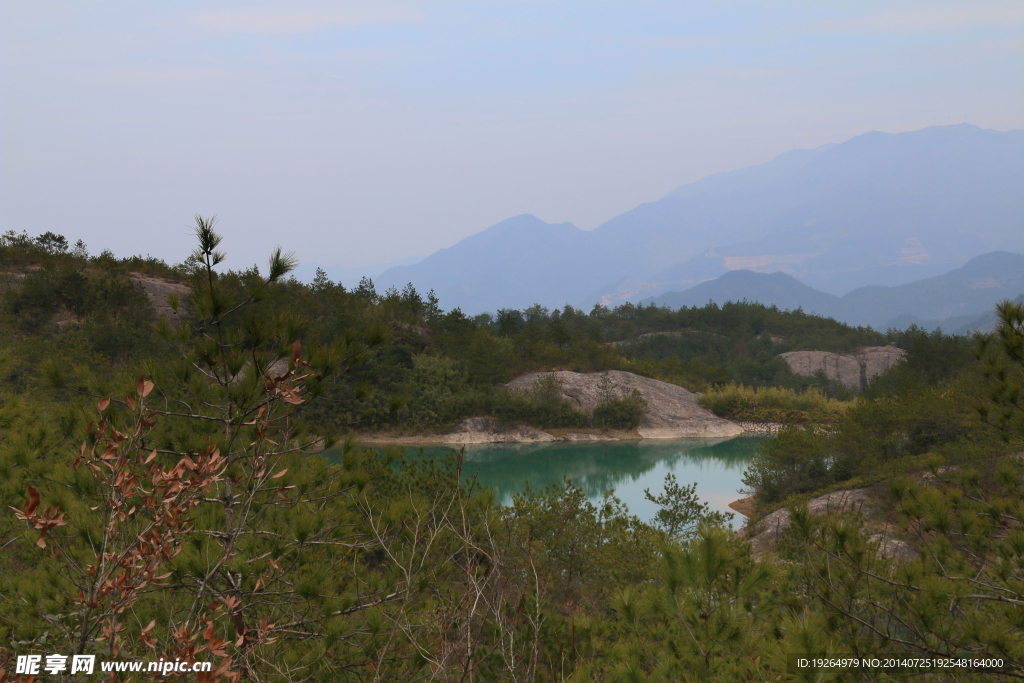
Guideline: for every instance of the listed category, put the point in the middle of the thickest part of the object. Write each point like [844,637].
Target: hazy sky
[356,133]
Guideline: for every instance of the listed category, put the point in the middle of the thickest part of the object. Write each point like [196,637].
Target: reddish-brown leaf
[291,398]
[33,501]
[280,474]
[296,350]
[103,403]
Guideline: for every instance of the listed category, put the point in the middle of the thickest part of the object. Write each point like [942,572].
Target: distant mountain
[986,323]
[681,276]
[951,301]
[879,209]
[970,290]
[514,264]
[770,289]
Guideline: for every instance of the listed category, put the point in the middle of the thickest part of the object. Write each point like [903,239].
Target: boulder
[893,548]
[672,412]
[771,528]
[852,500]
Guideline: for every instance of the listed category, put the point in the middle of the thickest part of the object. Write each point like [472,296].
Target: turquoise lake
[628,467]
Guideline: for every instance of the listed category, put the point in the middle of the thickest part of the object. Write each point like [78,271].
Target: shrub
[548,390]
[543,410]
[83,293]
[794,461]
[620,412]
[774,404]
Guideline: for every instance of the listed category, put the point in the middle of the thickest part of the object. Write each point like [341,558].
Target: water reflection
[628,467]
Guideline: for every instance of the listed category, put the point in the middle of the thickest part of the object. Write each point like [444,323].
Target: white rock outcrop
[477,430]
[852,369]
[157,289]
[672,412]
[893,548]
[771,528]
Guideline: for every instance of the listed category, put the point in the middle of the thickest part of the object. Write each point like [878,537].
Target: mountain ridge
[951,300]
[880,208]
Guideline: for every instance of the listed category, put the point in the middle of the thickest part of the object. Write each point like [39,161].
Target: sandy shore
[744,506]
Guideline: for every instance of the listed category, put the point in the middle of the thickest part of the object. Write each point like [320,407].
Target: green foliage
[875,438]
[1002,356]
[378,568]
[797,460]
[956,593]
[99,313]
[738,342]
[926,406]
[774,404]
[77,293]
[706,619]
[618,410]
[580,549]
[932,359]
[436,381]
[223,418]
[680,510]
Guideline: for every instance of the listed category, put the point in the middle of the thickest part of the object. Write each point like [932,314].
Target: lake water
[629,467]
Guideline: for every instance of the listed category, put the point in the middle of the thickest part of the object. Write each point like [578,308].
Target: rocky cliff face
[673,412]
[853,370]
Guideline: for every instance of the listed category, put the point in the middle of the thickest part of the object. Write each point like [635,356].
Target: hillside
[879,209]
[952,301]
[967,291]
[329,546]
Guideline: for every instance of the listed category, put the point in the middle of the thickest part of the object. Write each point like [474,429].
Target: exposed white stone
[853,369]
[672,412]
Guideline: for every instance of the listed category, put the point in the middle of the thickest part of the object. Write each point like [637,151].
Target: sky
[356,133]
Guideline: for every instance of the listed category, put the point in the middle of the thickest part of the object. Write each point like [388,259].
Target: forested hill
[93,311]
[166,495]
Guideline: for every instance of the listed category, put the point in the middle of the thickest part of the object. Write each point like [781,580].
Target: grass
[773,404]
